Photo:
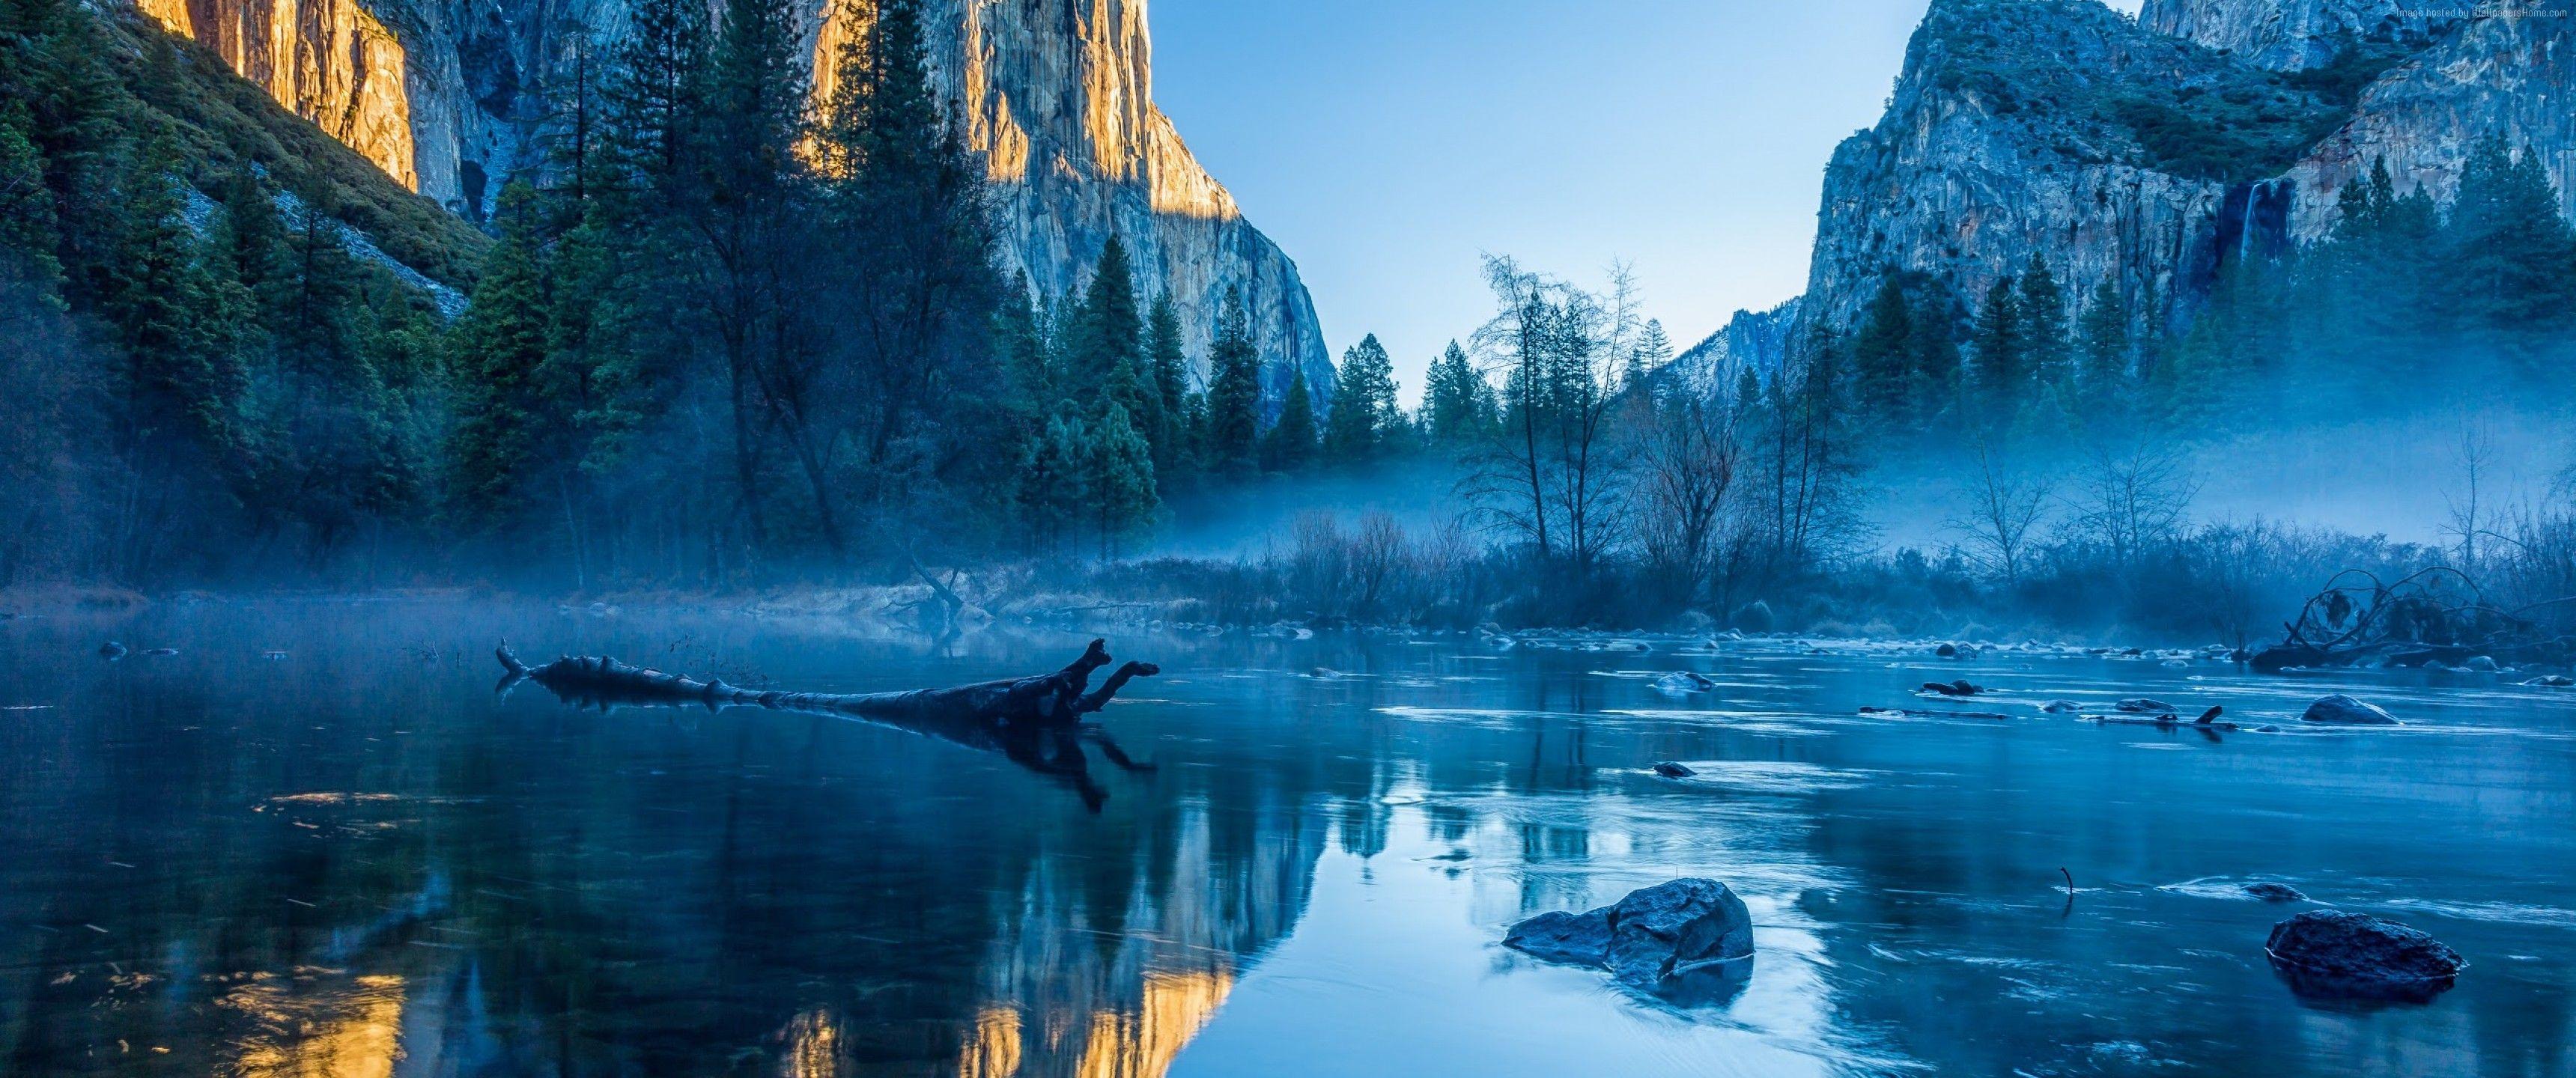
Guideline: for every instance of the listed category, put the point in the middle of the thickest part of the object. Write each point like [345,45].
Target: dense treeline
[188,380]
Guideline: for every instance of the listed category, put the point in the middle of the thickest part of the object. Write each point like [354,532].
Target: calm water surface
[354,858]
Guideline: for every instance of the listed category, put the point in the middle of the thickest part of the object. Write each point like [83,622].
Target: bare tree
[1684,476]
[2004,508]
[2467,509]
[2135,498]
[1552,479]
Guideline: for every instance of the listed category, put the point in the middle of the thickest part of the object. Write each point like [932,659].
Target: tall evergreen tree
[1169,366]
[2105,333]
[2049,347]
[2002,351]
[1457,402]
[1365,419]
[1109,367]
[1121,480]
[1234,392]
[1290,444]
[499,345]
[1882,357]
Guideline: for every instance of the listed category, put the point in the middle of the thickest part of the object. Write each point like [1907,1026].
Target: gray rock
[1674,771]
[2269,891]
[1948,651]
[2061,707]
[1684,682]
[2553,681]
[2146,706]
[2334,954]
[2341,710]
[1755,617]
[2484,664]
[1649,935]
[1582,939]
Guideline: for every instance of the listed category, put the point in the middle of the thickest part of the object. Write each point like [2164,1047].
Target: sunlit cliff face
[1071,96]
[326,60]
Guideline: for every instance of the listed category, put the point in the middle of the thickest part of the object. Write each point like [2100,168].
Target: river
[317,841]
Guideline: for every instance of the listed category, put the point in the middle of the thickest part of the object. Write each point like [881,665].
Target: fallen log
[1036,722]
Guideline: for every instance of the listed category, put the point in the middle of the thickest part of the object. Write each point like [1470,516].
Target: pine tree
[27,223]
[2049,348]
[1882,356]
[1653,350]
[498,346]
[2105,332]
[1290,445]
[1169,366]
[1121,480]
[1457,402]
[1108,367]
[1364,419]
[1054,481]
[2002,351]
[1932,351]
[1234,392]
[2510,251]
[652,95]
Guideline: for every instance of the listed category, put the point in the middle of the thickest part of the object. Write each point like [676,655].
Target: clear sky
[1386,144]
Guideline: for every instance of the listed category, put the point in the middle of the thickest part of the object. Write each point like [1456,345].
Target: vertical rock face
[2514,77]
[1056,95]
[2294,35]
[2146,153]
[328,61]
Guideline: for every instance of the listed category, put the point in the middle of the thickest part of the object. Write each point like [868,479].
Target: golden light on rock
[329,61]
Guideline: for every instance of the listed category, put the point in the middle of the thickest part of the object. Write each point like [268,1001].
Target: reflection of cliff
[328,61]
[1066,1001]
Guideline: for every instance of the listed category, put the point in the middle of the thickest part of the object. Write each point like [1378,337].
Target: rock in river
[2269,891]
[1674,771]
[2341,710]
[1683,682]
[2334,954]
[1648,936]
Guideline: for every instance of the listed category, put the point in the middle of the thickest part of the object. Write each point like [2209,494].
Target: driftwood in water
[2437,615]
[1036,721]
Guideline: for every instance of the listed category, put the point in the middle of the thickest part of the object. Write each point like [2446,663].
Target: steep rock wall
[329,61]
[2295,35]
[2025,128]
[1057,95]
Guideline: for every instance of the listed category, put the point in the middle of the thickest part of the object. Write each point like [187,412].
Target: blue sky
[1387,143]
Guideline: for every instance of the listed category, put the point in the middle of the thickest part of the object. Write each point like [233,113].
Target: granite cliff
[1056,95]
[2150,151]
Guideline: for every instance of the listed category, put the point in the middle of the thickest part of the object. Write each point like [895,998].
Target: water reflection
[356,861]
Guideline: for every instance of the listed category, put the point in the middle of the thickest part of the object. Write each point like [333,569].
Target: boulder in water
[1684,682]
[1955,688]
[1648,936]
[2269,891]
[2061,707]
[2145,705]
[1755,617]
[2341,710]
[1948,651]
[1581,939]
[2553,681]
[2337,955]
[1672,770]
[2484,664]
